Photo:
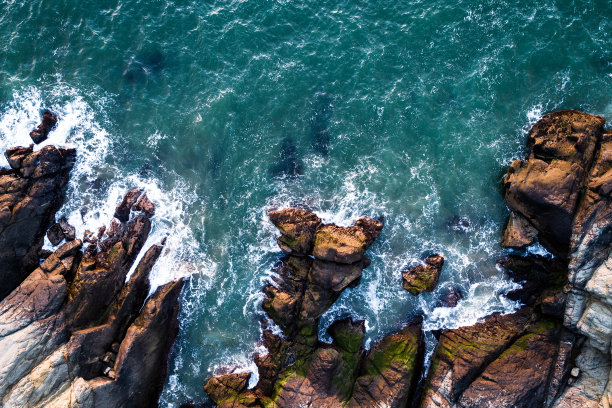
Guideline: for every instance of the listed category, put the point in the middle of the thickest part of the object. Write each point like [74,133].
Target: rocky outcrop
[346,245]
[299,369]
[563,191]
[516,360]
[423,278]
[31,192]
[297,227]
[74,334]
[49,120]
[545,189]
[61,230]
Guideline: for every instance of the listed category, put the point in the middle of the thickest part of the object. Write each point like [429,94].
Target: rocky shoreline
[552,352]
[74,333]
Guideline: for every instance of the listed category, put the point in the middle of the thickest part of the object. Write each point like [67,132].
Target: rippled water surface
[223,109]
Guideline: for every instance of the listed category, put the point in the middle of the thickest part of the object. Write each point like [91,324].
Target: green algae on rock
[423,278]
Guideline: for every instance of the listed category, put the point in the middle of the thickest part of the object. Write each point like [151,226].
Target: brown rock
[298,228]
[391,370]
[593,222]
[423,278]
[519,376]
[519,232]
[30,195]
[462,354]
[122,212]
[553,303]
[145,205]
[545,189]
[346,244]
[94,329]
[227,387]
[49,120]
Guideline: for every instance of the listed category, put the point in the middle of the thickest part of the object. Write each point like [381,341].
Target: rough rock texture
[346,245]
[462,354]
[563,190]
[297,227]
[545,189]
[73,334]
[49,120]
[389,373]
[300,370]
[423,278]
[31,192]
[519,376]
[519,232]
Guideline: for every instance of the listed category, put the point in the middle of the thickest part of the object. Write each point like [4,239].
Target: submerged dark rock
[319,123]
[289,163]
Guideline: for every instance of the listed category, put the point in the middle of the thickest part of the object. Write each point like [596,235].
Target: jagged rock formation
[300,370]
[31,192]
[562,192]
[423,278]
[49,120]
[73,334]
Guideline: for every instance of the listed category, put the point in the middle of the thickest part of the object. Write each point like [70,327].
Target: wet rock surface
[423,278]
[299,369]
[49,120]
[31,192]
[562,191]
[75,334]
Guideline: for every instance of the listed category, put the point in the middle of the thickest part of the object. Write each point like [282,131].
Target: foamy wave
[483,299]
[95,187]
[76,125]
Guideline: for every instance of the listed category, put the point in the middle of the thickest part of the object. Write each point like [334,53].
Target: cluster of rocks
[31,192]
[73,333]
[299,369]
[553,352]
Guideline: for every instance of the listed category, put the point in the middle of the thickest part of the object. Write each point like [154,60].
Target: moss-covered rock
[423,278]
[391,370]
[461,354]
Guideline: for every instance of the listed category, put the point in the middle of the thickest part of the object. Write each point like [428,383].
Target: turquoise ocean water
[223,109]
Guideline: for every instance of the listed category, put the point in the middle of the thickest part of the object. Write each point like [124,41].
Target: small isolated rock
[423,278]
[298,228]
[55,234]
[49,120]
[68,230]
[451,297]
[519,232]
[575,372]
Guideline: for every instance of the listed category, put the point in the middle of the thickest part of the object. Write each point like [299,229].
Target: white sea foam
[483,299]
[88,209]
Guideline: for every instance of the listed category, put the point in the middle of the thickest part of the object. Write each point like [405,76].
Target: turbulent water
[223,109]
